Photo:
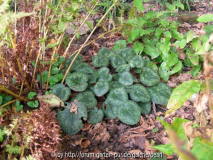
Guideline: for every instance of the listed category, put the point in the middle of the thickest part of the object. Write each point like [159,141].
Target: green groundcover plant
[121,80]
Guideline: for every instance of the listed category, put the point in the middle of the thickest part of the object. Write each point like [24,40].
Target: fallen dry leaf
[83,143]
[201,103]
[74,108]
[140,142]
[189,131]
[103,136]
[182,55]
[86,127]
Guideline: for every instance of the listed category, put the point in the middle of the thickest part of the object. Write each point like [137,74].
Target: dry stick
[40,47]
[2,68]
[13,94]
[92,41]
[52,58]
[22,84]
[24,79]
[8,103]
[86,41]
[209,95]
[66,51]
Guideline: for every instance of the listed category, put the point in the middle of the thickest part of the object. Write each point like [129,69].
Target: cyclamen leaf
[104,74]
[117,96]
[137,61]
[84,67]
[87,98]
[127,54]
[78,60]
[109,113]
[95,116]
[101,88]
[145,108]
[71,123]
[139,93]
[149,77]
[61,91]
[105,52]
[129,113]
[123,68]
[160,93]
[116,61]
[125,78]
[77,81]
[100,60]
[181,94]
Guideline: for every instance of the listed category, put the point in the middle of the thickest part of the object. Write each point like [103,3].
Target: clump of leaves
[153,36]
[121,78]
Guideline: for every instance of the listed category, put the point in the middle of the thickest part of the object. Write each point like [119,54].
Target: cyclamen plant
[122,78]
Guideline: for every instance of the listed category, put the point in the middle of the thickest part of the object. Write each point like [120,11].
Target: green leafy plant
[122,78]
[18,106]
[5,99]
[31,95]
[158,39]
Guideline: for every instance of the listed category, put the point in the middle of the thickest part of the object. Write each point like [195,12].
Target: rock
[83,30]
[188,17]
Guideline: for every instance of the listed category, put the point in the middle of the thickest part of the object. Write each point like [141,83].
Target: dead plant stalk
[87,41]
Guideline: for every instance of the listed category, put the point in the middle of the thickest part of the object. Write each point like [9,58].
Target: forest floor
[111,137]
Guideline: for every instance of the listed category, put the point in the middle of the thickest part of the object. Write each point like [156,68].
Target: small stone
[188,17]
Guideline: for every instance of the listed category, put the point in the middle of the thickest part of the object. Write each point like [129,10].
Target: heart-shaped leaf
[129,113]
[123,68]
[104,74]
[109,112]
[84,67]
[105,52]
[149,77]
[95,116]
[78,60]
[160,93]
[61,91]
[70,118]
[117,61]
[145,108]
[137,61]
[127,54]
[117,96]
[77,81]
[125,78]
[101,88]
[139,93]
[87,98]
[100,60]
